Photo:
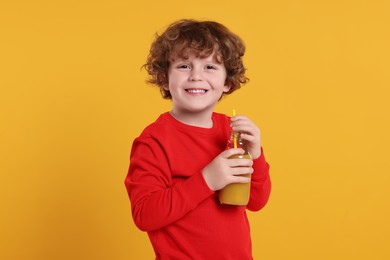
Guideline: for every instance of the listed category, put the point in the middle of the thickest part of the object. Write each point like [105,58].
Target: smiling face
[196,84]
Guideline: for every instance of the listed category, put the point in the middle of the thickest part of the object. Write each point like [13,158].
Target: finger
[240,162]
[250,138]
[241,121]
[250,129]
[241,179]
[237,171]
[239,117]
[230,152]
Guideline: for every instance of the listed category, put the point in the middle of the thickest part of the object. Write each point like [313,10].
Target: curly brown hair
[203,38]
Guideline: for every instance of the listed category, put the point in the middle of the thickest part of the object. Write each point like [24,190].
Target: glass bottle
[236,193]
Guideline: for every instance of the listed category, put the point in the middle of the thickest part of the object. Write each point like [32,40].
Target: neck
[201,119]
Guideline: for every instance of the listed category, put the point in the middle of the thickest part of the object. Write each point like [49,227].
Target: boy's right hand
[223,171]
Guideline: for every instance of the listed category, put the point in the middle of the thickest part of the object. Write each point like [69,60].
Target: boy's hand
[223,171]
[249,132]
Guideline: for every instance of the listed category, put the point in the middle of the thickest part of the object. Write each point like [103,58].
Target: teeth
[196,91]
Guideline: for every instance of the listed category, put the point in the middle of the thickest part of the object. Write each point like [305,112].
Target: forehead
[187,53]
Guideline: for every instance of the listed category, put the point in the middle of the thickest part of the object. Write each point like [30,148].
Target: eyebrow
[176,58]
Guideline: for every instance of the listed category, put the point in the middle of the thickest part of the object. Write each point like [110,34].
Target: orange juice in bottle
[236,193]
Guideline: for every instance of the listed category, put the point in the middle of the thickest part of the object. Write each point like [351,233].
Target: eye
[211,67]
[183,66]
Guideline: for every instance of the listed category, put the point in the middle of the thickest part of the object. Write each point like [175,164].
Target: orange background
[73,97]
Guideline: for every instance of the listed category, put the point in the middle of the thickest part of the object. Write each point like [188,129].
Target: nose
[195,75]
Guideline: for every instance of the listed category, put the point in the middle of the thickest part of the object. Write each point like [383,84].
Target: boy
[179,163]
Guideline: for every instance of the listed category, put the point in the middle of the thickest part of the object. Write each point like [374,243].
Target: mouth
[196,90]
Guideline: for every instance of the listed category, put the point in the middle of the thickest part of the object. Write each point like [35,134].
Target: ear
[165,86]
[226,88]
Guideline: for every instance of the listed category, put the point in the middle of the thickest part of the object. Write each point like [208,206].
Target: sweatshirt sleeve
[260,184]
[156,201]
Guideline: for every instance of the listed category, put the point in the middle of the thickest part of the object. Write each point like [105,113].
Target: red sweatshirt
[171,200]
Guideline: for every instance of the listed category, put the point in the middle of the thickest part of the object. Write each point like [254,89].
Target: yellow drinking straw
[234,133]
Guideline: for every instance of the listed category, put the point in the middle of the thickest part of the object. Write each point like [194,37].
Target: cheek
[171,82]
[223,82]
[175,79]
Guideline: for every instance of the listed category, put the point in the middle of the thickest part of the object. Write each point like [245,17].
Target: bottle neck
[236,141]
